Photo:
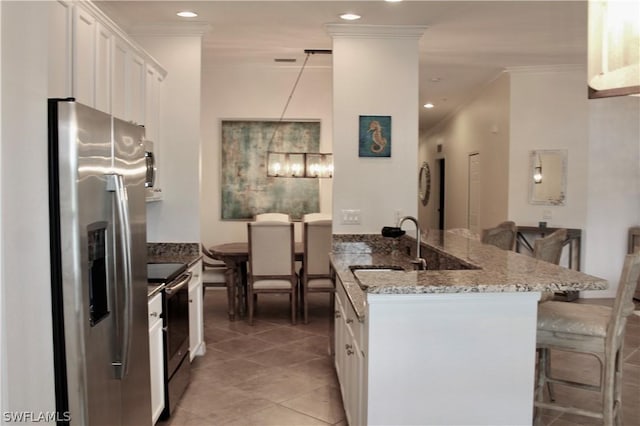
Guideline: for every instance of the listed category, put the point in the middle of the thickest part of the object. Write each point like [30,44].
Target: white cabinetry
[59,40]
[196,319]
[156,356]
[92,60]
[84,48]
[413,352]
[135,89]
[120,59]
[153,86]
[102,79]
[108,70]
[349,357]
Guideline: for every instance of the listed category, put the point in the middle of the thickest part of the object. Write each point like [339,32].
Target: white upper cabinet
[95,62]
[102,80]
[153,84]
[119,62]
[59,39]
[84,49]
[135,88]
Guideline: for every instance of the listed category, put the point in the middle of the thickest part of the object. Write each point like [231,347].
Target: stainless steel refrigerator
[98,266]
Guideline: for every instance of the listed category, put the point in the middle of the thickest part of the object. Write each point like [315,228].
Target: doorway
[473,201]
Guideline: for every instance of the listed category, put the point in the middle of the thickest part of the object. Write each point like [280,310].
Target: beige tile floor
[273,373]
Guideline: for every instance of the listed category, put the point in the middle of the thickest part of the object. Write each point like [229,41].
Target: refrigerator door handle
[115,183]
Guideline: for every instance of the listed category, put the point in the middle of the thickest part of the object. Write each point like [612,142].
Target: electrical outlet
[546,214]
[350,216]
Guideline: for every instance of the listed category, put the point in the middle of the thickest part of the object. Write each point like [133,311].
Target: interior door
[473,207]
[441,192]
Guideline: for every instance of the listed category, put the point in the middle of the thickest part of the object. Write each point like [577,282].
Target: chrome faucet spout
[420,262]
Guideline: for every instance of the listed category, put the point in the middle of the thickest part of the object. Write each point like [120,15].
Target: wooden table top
[240,250]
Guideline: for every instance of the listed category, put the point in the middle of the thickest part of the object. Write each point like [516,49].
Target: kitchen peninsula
[454,344]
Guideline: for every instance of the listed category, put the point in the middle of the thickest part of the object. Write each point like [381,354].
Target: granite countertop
[480,268]
[188,253]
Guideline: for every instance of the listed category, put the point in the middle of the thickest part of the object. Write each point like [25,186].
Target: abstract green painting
[245,188]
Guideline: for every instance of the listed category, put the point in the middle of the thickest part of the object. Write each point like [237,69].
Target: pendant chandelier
[298,164]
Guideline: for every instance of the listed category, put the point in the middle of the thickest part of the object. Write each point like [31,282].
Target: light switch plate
[350,216]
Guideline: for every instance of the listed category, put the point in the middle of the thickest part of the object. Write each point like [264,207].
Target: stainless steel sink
[376,268]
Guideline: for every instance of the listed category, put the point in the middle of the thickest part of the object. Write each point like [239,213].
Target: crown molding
[375,31]
[171,29]
[544,69]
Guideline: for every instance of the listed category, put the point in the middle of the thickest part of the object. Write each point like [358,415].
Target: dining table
[235,256]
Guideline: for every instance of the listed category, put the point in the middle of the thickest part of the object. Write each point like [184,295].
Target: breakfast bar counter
[454,344]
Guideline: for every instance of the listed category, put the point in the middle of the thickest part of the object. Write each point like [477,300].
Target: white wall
[375,72]
[177,217]
[613,182]
[480,126]
[3,365]
[549,110]
[26,348]
[256,92]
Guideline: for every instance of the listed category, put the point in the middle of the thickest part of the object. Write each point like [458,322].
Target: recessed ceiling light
[350,16]
[187,14]
[429,105]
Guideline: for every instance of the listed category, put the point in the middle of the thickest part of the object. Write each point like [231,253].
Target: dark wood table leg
[230,278]
[242,289]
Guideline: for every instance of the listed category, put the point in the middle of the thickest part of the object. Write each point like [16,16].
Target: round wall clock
[424,183]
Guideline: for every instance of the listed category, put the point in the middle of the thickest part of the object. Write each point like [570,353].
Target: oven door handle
[184,280]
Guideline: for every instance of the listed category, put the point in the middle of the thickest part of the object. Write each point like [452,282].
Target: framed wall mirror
[548,177]
[424,183]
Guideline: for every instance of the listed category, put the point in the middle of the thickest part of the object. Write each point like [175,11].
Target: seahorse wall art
[375,136]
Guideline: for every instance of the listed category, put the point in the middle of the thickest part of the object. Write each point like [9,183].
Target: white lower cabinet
[196,319]
[156,356]
[350,358]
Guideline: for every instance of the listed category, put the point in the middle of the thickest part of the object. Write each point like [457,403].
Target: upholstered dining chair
[279,217]
[316,216]
[271,262]
[315,273]
[549,249]
[590,329]
[502,236]
[213,271]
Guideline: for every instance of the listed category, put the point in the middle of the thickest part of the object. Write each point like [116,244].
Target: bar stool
[590,329]
[502,236]
[549,249]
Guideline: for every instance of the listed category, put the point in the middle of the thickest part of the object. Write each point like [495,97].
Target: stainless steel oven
[175,312]
[176,340]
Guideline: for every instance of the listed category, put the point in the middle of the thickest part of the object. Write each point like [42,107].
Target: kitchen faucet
[419,262]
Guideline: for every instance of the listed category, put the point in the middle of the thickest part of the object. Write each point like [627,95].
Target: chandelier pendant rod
[286,105]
